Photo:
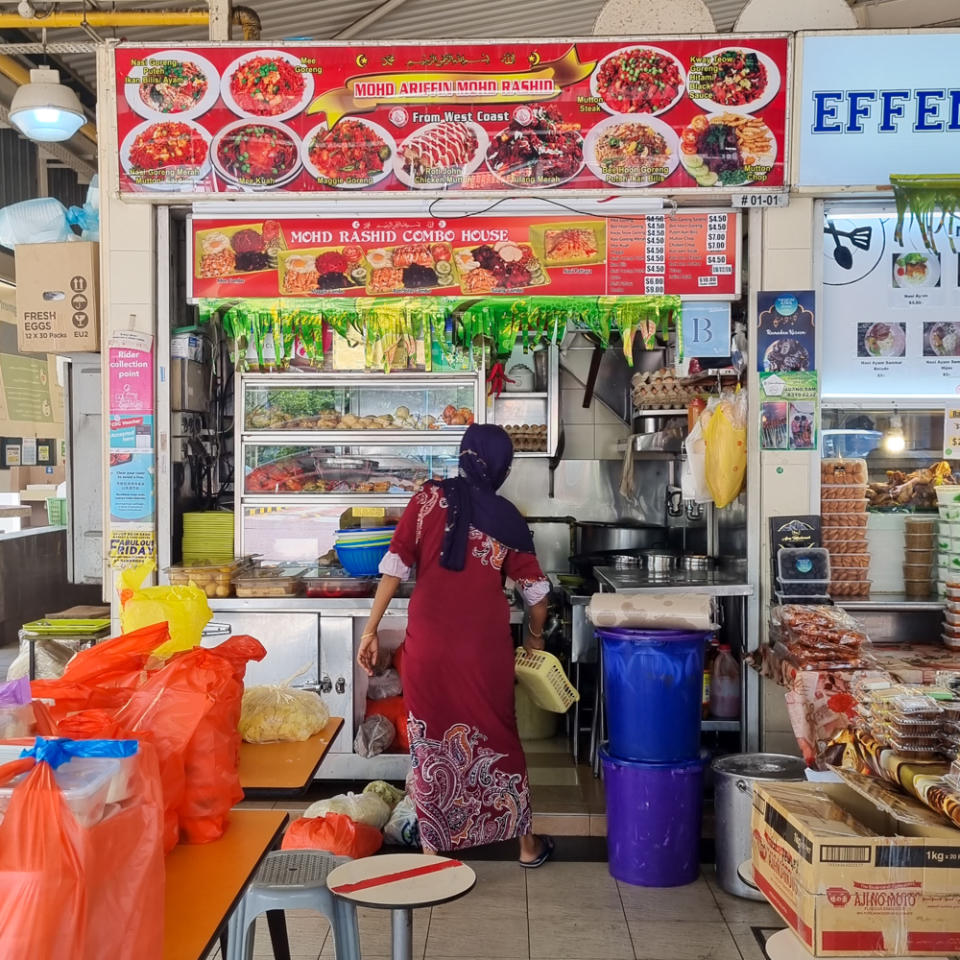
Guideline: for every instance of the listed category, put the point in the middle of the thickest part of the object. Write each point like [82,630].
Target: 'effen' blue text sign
[873,105]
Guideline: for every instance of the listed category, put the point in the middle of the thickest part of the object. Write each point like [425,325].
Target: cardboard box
[852,879]
[58,297]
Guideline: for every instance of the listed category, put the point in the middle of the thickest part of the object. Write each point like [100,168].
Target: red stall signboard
[690,254]
[668,115]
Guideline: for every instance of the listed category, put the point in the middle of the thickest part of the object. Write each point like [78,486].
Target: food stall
[373,246]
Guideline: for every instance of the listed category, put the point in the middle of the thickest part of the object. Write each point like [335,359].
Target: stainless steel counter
[717,583]
[890,603]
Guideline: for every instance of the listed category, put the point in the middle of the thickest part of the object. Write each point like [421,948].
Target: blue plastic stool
[293,880]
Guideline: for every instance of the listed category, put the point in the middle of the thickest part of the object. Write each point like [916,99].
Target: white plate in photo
[177,178]
[257,178]
[655,109]
[244,111]
[765,95]
[914,270]
[407,179]
[670,137]
[167,96]
[376,177]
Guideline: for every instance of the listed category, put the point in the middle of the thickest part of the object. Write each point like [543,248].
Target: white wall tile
[572,410]
[578,442]
[607,438]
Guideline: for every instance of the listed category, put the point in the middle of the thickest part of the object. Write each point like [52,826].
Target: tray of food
[499,267]
[410,268]
[214,579]
[243,248]
[322,270]
[338,584]
[269,582]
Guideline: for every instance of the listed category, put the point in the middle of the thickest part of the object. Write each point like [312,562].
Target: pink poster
[131,373]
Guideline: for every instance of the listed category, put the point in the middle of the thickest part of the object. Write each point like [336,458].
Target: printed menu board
[890,310]
[687,254]
[705,114]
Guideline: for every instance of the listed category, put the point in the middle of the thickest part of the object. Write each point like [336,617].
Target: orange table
[284,769]
[205,881]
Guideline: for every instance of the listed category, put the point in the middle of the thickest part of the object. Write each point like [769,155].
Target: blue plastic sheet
[58,750]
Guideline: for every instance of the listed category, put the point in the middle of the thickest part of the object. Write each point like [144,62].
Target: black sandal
[545,854]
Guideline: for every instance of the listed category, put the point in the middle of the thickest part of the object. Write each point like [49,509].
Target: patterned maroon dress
[469,773]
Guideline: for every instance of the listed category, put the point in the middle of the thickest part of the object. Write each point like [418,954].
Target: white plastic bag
[389,794]
[384,685]
[693,474]
[281,712]
[375,735]
[52,658]
[365,808]
[403,829]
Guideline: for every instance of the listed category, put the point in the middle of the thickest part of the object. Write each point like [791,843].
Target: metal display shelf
[890,603]
[717,583]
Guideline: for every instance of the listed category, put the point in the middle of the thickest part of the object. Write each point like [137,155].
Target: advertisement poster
[706,331]
[889,311]
[786,332]
[131,432]
[951,433]
[130,546]
[132,487]
[131,373]
[789,411]
[690,114]
[687,254]
[25,384]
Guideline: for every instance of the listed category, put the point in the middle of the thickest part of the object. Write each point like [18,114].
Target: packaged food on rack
[828,507]
[909,706]
[269,582]
[850,588]
[914,751]
[843,471]
[856,520]
[808,659]
[817,626]
[842,548]
[335,583]
[906,728]
[843,491]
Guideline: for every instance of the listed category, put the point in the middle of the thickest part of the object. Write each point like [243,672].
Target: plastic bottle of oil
[725,686]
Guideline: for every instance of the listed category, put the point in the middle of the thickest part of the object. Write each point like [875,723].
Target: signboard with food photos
[666,115]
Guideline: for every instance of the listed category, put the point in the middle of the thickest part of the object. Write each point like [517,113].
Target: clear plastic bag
[52,658]
[388,793]
[376,734]
[693,472]
[365,808]
[403,828]
[384,685]
[281,712]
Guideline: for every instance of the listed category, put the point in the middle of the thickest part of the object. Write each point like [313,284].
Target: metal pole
[401,925]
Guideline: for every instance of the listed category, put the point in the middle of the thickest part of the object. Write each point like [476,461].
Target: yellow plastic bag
[725,435]
[184,609]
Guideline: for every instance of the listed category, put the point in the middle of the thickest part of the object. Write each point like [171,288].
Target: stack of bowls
[361,550]
[920,537]
[948,538]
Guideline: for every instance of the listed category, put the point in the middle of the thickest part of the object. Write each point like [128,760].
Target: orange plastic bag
[83,893]
[394,709]
[336,833]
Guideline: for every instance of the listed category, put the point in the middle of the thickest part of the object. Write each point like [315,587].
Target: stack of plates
[369,537]
[208,537]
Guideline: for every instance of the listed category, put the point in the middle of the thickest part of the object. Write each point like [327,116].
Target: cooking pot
[695,561]
[660,561]
[616,537]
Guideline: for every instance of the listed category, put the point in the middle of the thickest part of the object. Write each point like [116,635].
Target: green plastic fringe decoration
[922,196]
[393,328]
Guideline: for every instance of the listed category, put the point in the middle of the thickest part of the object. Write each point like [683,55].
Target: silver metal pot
[734,777]
[698,562]
[615,537]
[658,561]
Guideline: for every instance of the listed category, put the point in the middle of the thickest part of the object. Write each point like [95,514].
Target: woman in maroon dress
[469,774]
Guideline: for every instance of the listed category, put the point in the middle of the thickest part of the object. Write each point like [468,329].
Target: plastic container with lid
[843,471]
[921,541]
[915,751]
[920,525]
[85,782]
[842,491]
[214,579]
[803,588]
[948,493]
[858,505]
[334,585]
[269,582]
[905,728]
[811,599]
[803,563]
[909,706]
[840,548]
[854,521]
[951,643]
[850,588]
[833,535]
[843,572]
[920,555]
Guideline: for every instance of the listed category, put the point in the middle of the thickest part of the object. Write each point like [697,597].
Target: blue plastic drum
[653,689]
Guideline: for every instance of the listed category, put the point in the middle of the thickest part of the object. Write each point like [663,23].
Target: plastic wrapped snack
[365,808]
[388,793]
[280,712]
[376,734]
[384,685]
[403,828]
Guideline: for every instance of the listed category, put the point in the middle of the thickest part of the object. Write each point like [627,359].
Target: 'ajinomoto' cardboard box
[58,297]
[851,880]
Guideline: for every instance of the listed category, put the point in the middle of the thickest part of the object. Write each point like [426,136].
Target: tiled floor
[565,911]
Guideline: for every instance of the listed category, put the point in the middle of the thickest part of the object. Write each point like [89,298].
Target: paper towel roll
[652,611]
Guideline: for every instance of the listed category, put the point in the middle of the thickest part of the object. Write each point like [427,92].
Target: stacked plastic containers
[803,574]
[918,723]
[843,518]
[920,555]
[653,774]
[948,542]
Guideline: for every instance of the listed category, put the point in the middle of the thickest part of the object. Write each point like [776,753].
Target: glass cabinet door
[440,406]
[315,469]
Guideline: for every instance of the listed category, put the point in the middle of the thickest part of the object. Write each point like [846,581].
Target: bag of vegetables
[281,712]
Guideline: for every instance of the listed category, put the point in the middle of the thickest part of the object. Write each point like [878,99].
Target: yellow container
[543,678]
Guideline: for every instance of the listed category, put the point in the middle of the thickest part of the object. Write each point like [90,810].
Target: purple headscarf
[486,453]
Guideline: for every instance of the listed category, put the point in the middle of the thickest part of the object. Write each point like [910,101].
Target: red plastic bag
[336,833]
[104,676]
[397,660]
[394,709]
[67,891]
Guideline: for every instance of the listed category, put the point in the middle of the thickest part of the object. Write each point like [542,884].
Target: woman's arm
[536,618]
[369,640]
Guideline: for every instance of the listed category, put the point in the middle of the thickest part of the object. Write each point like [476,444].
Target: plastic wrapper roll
[651,611]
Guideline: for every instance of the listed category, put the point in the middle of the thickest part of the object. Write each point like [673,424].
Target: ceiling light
[45,110]
[894,441]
